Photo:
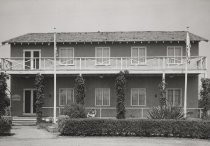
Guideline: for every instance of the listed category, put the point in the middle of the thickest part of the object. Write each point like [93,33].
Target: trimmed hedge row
[134,127]
[5,125]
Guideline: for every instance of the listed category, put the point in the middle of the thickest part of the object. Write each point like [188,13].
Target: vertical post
[54,109]
[121,63]
[185,91]
[186,64]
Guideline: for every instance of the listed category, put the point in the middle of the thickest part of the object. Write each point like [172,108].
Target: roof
[105,37]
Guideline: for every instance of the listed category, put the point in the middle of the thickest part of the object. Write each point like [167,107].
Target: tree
[120,87]
[205,102]
[80,90]
[4,100]
[39,86]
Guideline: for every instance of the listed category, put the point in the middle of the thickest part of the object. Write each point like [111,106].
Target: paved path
[31,136]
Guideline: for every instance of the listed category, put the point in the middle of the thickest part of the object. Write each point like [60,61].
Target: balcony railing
[150,63]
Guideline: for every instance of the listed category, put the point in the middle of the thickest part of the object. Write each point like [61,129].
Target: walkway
[31,136]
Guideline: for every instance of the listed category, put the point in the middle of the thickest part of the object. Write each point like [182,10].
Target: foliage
[162,88]
[4,100]
[5,125]
[39,86]
[134,127]
[205,101]
[80,90]
[120,87]
[75,111]
[166,112]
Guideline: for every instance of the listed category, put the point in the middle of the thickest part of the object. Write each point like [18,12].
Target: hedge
[5,125]
[134,127]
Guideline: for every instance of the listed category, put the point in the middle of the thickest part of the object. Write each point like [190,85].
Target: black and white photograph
[104,73]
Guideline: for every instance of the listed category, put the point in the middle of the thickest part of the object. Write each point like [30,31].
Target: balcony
[88,65]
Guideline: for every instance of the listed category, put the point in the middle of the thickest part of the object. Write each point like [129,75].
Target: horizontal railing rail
[110,112]
[103,63]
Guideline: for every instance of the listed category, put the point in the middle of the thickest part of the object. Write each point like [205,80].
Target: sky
[18,17]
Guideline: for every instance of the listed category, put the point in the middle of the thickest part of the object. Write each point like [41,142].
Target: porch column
[55,100]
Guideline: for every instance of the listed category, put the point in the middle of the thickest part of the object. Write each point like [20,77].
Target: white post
[54,109]
[185,91]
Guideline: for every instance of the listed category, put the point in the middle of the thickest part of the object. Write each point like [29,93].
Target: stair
[23,121]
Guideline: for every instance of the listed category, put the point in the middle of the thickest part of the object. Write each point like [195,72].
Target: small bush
[5,125]
[166,112]
[134,127]
[74,111]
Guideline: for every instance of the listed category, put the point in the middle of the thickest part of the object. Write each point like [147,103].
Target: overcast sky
[18,17]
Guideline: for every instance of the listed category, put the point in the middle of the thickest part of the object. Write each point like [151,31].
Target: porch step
[24,121]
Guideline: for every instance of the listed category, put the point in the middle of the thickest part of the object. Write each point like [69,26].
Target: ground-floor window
[66,96]
[174,96]
[138,96]
[102,96]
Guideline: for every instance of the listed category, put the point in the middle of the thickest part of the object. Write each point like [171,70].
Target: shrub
[134,127]
[74,111]
[5,125]
[80,90]
[120,87]
[166,112]
[205,101]
[4,100]
[39,85]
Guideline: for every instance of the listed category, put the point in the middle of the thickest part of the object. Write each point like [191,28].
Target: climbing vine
[4,100]
[162,88]
[120,87]
[39,86]
[80,90]
[205,101]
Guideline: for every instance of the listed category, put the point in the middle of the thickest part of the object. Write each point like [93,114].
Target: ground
[31,136]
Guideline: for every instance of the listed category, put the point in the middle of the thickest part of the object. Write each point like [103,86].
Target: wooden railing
[132,112]
[150,63]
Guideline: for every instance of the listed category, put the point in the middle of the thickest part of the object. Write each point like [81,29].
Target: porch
[91,65]
[142,94]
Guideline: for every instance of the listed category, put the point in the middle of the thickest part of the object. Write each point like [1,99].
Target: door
[32,59]
[29,106]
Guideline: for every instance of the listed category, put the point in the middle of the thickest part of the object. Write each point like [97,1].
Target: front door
[32,59]
[29,101]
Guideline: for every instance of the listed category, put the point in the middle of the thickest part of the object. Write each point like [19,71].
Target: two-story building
[149,56]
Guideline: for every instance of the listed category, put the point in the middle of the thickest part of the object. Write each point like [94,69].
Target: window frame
[66,95]
[168,57]
[173,104]
[145,55]
[32,58]
[102,64]
[145,98]
[102,97]
[64,48]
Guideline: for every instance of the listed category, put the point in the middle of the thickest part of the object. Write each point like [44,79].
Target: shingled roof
[137,36]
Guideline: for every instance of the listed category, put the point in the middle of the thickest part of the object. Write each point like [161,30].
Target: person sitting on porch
[91,113]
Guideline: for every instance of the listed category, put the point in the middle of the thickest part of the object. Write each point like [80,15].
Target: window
[138,55]
[102,96]
[138,96]
[102,55]
[174,97]
[66,56]
[174,54]
[66,96]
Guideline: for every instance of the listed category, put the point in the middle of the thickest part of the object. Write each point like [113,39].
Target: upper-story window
[32,59]
[174,54]
[138,55]
[102,55]
[66,55]
[174,96]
